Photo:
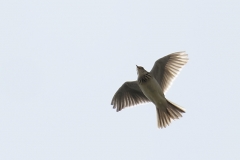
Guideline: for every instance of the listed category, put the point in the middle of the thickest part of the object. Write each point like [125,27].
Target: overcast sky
[62,61]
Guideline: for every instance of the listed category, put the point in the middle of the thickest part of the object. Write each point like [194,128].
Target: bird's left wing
[167,68]
[129,94]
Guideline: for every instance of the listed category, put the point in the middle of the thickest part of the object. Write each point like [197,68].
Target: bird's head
[141,71]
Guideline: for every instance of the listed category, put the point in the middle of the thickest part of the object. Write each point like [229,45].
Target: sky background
[62,61]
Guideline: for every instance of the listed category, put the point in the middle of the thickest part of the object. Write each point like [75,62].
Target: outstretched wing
[167,68]
[129,94]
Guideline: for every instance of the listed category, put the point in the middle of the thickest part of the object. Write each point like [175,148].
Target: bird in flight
[151,86]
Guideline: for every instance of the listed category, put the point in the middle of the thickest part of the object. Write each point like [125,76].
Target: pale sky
[62,61]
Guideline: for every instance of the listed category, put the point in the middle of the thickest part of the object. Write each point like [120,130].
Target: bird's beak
[136,66]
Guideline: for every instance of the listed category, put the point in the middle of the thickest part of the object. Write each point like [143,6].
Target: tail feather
[164,117]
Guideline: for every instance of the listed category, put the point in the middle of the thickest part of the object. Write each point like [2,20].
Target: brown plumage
[151,86]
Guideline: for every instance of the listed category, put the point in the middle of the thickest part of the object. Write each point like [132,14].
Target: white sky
[62,61]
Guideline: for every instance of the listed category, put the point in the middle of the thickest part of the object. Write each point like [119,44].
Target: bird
[152,86]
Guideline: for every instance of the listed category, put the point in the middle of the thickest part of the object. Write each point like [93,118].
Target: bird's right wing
[129,94]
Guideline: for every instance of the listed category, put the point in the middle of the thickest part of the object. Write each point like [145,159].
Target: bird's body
[152,90]
[151,86]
